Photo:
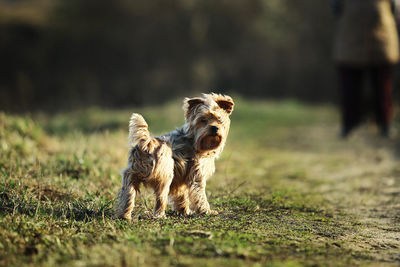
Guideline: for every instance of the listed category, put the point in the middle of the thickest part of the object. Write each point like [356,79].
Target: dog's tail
[138,132]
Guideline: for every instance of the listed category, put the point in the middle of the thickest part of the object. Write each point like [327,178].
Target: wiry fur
[178,164]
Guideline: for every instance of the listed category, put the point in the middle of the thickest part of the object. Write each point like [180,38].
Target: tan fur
[178,164]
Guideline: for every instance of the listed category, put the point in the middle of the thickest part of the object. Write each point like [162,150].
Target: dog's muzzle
[214,130]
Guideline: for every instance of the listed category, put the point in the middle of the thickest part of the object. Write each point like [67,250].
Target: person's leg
[382,84]
[351,83]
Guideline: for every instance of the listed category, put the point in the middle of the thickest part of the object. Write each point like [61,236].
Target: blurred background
[67,54]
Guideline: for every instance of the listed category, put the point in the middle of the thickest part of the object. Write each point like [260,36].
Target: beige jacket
[366,33]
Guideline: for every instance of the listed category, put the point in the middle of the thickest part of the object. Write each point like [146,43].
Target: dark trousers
[351,89]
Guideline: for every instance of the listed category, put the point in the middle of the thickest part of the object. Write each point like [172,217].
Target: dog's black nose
[214,129]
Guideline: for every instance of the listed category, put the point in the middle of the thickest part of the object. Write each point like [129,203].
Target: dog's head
[207,120]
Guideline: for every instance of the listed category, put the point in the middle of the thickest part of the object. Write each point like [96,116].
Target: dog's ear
[225,102]
[190,104]
[226,105]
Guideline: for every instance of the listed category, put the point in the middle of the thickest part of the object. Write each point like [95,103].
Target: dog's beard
[210,142]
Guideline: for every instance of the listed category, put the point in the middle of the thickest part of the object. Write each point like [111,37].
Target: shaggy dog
[178,164]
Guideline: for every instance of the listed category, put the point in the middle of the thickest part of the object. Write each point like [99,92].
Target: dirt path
[365,184]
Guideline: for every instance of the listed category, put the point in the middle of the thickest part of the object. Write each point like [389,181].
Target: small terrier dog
[178,164]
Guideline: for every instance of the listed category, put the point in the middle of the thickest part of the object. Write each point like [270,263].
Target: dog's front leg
[198,198]
[181,200]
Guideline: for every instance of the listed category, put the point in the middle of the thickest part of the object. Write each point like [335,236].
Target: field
[289,192]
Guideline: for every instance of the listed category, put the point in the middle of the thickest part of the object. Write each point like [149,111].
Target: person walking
[366,44]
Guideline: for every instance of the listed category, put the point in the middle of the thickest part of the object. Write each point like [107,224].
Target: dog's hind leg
[161,192]
[163,175]
[127,196]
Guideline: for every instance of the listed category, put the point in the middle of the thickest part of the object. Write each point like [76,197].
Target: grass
[289,193]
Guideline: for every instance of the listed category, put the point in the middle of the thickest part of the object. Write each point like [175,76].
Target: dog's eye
[203,120]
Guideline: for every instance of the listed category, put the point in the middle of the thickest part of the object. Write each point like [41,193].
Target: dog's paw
[186,213]
[212,212]
[126,217]
[208,212]
[159,216]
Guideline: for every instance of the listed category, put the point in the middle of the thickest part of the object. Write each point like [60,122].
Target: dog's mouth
[210,142]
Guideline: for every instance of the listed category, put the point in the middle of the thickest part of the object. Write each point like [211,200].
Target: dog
[177,165]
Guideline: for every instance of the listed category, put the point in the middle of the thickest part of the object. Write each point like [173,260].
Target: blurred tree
[131,52]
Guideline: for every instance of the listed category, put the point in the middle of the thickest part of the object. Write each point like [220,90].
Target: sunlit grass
[274,188]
